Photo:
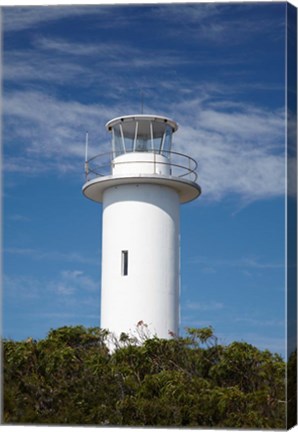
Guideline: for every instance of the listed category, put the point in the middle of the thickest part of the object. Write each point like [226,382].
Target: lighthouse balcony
[141,154]
[169,164]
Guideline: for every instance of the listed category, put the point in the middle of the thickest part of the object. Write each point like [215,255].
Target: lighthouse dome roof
[128,123]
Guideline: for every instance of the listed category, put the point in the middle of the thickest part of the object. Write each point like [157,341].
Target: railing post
[86,170]
[86,156]
[111,162]
[170,161]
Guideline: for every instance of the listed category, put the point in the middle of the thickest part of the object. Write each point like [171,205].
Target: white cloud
[199,306]
[239,147]
[255,263]
[19,218]
[206,23]
[244,262]
[95,66]
[21,287]
[261,322]
[20,18]
[37,67]
[37,302]
[64,315]
[66,284]
[42,255]
[50,133]
[73,281]
[239,151]
[100,50]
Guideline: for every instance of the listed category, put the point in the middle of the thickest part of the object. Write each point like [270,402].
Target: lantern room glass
[141,135]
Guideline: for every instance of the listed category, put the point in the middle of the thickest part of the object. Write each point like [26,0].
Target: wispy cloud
[239,151]
[239,145]
[241,263]
[21,287]
[50,132]
[71,282]
[64,315]
[37,303]
[201,306]
[99,50]
[261,322]
[64,285]
[42,255]
[38,68]
[19,218]
[207,23]
[92,65]
[20,18]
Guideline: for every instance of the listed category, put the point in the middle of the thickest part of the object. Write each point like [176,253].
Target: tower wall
[140,259]
[141,163]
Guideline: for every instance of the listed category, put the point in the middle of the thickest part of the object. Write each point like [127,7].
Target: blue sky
[219,71]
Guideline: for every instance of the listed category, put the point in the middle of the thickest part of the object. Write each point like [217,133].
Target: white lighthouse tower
[141,191]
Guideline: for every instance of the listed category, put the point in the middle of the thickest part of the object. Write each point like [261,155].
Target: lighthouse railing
[180,164]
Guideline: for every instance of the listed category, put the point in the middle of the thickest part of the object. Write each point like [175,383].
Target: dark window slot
[124,263]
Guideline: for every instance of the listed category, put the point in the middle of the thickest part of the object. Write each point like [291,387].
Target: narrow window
[124,263]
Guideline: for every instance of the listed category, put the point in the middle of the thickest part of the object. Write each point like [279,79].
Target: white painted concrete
[187,190]
[142,219]
[141,163]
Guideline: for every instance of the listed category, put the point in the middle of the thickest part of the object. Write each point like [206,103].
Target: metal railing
[181,165]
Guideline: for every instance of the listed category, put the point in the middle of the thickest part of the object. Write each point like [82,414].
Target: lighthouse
[141,183]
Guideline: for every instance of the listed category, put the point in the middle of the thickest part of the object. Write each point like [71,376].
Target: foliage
[70,377]
[292,389]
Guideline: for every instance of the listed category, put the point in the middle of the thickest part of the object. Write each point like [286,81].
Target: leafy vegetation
[70,377]
[292,389]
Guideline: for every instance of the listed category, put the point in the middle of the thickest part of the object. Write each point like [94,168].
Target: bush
[70,377]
